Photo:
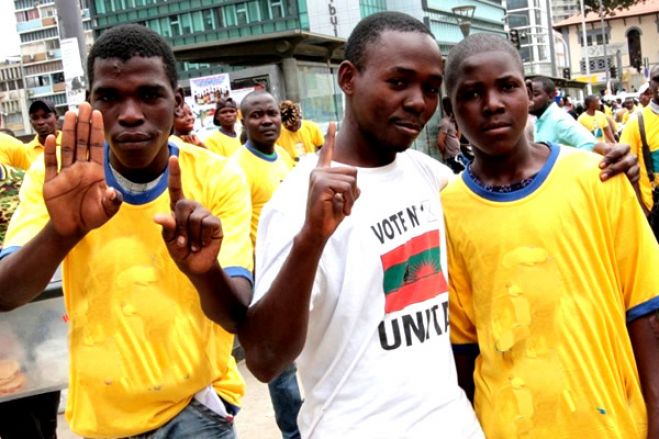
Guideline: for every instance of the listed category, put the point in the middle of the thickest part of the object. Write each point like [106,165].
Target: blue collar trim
[521,193]
[267,157]
[143,198]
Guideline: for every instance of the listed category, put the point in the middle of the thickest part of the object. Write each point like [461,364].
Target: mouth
[411,128]
[496,128]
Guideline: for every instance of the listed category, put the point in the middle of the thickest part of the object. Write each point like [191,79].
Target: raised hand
[192,234]
[76,196]
[332,191]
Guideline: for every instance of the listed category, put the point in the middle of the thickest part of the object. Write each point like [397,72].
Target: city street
[255,421]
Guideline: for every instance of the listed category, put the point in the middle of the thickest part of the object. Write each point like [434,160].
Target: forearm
[465,361]
[644,334]
[275,329]
[223,299]
[26,273]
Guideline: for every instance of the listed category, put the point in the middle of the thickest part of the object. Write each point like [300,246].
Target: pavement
[256,419]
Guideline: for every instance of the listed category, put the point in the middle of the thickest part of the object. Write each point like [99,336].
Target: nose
[492,102]
[415,101]
[131,113]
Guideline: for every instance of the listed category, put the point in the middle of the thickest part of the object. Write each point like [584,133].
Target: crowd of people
[517,299]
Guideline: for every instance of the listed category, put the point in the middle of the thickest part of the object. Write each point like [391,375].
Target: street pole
[550,32]
[606,58]
[589,86]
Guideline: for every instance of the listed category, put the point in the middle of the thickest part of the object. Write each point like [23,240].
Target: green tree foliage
[609,6]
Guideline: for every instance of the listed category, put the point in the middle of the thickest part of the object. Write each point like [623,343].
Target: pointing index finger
[327,151]
[174,183]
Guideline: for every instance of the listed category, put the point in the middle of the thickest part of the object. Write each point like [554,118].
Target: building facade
[629,38]
[292,46]
[13,103]
[41,55]
[563,9]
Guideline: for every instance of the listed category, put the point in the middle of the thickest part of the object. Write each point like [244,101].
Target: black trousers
[33,417]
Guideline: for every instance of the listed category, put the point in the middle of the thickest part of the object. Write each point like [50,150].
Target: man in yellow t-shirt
[555,325]
[631,135]
[225,141]
[265,165]
[298,137]
[144,358]
[595,121]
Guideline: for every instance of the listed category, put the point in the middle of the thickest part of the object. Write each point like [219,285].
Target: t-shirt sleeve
[232,204]
[31,214]
[576,135]
[14,153]
[636,250]
[461,310]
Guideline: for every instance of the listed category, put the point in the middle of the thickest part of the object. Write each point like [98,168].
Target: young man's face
[138,104]
[262,120]
[540,100]
[397,90]
[184,120]
[654,84]
[44,122]
[491,101]
[645,97]
[227,116]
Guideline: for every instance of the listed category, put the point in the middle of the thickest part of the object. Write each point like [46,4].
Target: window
[174,27]
[242,16]
[634,47]
[208,18]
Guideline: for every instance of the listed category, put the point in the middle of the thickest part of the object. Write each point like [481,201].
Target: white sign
[333,17]
[74,76]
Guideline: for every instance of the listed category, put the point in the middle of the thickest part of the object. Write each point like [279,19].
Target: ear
[347,74]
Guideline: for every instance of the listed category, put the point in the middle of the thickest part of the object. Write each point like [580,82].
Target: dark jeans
[34,417]
[286,401]
[195,421]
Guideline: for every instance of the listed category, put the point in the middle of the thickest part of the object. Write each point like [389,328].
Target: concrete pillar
[291,79]
[70,26]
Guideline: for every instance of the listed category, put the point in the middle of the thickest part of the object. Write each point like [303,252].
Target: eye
[468,95]
[397,83]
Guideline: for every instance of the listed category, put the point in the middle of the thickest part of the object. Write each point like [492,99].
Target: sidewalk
[256,419]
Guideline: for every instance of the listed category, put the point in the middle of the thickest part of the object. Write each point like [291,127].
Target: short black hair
[473,45]
[129,40]
[248,97]
[547,84]
[588,99]
[370,28]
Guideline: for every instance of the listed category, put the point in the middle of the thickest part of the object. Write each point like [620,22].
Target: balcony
[32,25]
[40,91]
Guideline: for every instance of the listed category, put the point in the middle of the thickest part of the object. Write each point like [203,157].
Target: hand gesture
[76,196]
[192,234]
[332,191]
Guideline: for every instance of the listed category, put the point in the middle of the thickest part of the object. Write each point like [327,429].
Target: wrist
[63,241]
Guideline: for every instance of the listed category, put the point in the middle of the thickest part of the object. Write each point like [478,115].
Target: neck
[145,174]
[356,148]
[524,161]
[264,148]
[181,133]
[229,131]
[539,112]
[591,112]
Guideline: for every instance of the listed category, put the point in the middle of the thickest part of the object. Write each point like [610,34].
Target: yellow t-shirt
[140,345]
[306,140]
[264,173]
[631,135]
[221,144]
[595,124]
[21,155]
[544,280]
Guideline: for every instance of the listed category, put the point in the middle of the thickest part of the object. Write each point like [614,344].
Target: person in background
[595,121]
[266,165]
[298,137]
[448,139]
[183,126]
[225,141]
[12,150]
[644,94]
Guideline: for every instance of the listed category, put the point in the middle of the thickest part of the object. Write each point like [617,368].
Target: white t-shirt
[377,362]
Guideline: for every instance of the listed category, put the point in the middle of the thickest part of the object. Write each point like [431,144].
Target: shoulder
[437,174]
[206,164]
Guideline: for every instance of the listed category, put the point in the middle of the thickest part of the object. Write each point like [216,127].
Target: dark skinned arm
[275,329]
[644,334]
[465,363]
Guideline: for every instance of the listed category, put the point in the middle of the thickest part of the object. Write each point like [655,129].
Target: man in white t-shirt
[351,283]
